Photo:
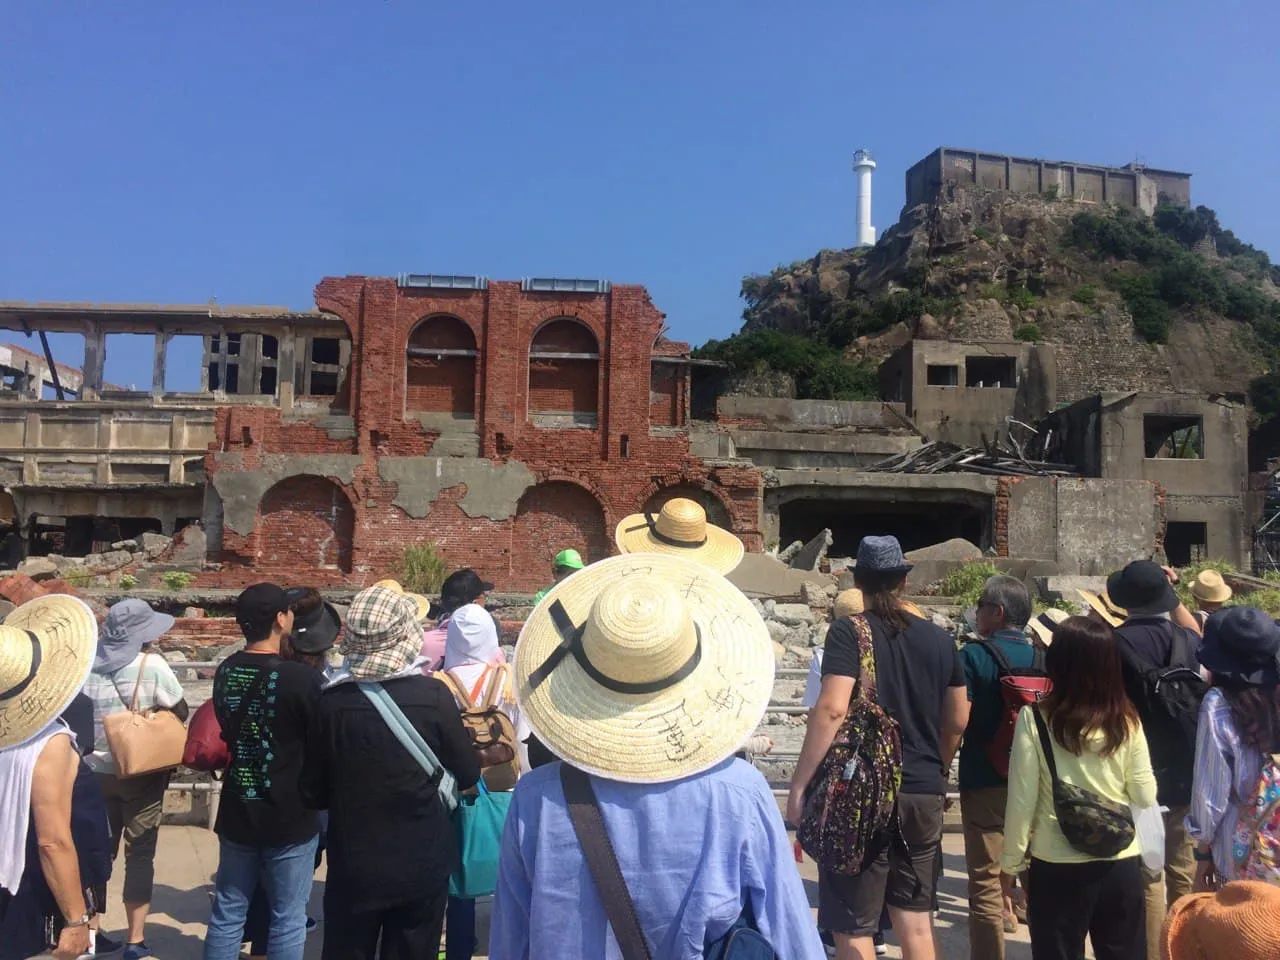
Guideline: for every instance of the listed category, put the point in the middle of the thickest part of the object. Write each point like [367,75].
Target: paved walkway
[188,856]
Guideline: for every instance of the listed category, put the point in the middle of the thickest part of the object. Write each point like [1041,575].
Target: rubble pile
[126,558]
[999,458]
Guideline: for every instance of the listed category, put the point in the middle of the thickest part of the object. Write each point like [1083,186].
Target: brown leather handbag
[144,742]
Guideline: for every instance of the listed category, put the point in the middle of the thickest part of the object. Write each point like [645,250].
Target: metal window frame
[442,281]
[564,285]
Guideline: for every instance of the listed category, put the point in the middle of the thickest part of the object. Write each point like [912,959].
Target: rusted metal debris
[997,459]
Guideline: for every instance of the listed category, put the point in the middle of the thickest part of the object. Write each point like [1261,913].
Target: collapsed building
[504,421]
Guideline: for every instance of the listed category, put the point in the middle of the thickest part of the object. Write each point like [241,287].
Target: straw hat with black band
[680,529]
[644,668]
[47,647]
[1042,625]
[1104,607]
[421,603]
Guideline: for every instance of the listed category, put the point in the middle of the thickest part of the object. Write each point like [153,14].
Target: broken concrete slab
[810,555]
[154,544]
[793,613]
[190,546]
[108,561]
[1055,589]
[760,575]
[790,551]
[493,490]
[815,595]
[38,568]
[954,549]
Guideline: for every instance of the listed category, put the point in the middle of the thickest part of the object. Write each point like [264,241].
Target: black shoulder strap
[1003,667]
[1046,745]
[584,812]
[1037,658]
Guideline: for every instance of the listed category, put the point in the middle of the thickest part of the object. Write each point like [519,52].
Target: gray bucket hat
[130,625]
[881,555]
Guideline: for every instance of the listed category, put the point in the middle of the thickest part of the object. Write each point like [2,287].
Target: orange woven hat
[1239,922]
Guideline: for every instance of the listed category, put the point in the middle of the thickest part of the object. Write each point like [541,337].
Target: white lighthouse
[862,167]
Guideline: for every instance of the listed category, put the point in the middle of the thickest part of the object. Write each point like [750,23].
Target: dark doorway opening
[916,524]
[1185,543]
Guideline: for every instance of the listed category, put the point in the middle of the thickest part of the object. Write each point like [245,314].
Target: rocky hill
[1170,303]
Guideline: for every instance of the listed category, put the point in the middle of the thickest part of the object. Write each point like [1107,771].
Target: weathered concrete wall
[1226,528]
[493,491]
[781,414]
[1032,518]
[766,448]
[1104,524]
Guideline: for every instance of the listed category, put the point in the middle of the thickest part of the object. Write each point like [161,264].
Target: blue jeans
[285,873]
[460,929]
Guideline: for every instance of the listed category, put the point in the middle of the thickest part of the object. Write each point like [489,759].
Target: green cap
[570,559]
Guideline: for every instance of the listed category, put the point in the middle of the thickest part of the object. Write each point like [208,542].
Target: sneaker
[136,951]
[311,925]
[878,942]
[828,944]
[104,945]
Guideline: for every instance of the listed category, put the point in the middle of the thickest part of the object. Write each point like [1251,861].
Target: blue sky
[169,152]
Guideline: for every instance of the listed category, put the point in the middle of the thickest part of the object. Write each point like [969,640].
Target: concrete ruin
[504,421]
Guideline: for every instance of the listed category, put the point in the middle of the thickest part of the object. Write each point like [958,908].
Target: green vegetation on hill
[820,370]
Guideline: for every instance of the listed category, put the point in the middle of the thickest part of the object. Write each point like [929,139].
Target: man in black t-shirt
[920,683]
[264,706]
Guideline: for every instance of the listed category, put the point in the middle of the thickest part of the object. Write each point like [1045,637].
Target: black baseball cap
[462,587]
[257,607]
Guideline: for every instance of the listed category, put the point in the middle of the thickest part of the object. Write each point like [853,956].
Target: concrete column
[158,364]
[106,440]
[177,444]
[286,369]
[31,442]
[95,358]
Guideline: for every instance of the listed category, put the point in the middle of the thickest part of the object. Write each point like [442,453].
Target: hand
[947,804]
[73,942]
[795,805]
[1171,575]
[1206,877]
[1007,880]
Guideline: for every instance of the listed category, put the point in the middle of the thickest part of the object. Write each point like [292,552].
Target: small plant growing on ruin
[177,580]
[1087,294]
[964,583]
[128,581]
[422,569]
[1027,333]
[982,233]
[1051,191]
[78,578]
[1021,297]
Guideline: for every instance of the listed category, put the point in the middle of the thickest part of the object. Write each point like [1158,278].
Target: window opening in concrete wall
[324,383]
[1185,542]
[270,347]
[564,373]
[665,380]
[232,384]
[325,350]
[991,372]
[267,381]
[624,445]
[1176,438]
[441,370]
[914,524]
[183,359]
[129,361]
[937,375]
[233,344]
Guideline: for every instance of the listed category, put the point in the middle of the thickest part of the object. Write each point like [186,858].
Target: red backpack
[1019,687]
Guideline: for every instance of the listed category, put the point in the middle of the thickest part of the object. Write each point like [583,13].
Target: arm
[313,783]
[1024,791]
[1211,787]
[955,717]
[1185,618]
[1140,781]
[52,782]
[824,722]
[509,928]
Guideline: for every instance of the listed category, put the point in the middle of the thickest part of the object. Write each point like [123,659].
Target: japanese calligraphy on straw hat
[681,529]
[644,668]
[47,647]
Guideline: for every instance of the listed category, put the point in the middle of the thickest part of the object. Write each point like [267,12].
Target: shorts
[901,875]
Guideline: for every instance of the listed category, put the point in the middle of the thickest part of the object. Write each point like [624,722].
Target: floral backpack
[849,805]
[1256,844]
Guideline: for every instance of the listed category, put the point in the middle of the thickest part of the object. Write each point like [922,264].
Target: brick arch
[443,382]
[564,374]
[551,517]
[717,512]
[305,523]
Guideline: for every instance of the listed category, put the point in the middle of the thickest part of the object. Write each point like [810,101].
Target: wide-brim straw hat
[1104,607]
[1238,921]
[47,647]
[422,604]
[1042,624]
[680,529]
[1210,587]
[644,668]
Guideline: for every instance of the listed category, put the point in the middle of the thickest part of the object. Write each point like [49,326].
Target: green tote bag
[479,820]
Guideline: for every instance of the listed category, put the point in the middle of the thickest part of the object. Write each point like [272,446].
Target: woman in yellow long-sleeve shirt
[1098,745]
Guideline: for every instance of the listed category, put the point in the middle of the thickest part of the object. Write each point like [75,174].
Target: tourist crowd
[1118,772]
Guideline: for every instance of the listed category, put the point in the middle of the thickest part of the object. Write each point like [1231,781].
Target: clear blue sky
[158,151]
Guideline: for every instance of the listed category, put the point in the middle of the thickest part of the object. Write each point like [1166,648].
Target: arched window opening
[441,370]
[564,376]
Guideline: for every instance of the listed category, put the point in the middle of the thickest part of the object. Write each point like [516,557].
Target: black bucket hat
[316,631]
[1142,588]
[1242,644]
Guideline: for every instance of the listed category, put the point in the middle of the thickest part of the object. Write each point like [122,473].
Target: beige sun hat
[1042,624]
[681,529]
[1104,607]
[419,601]
[1210,587]
[848,602]
[47,647]
[644,668]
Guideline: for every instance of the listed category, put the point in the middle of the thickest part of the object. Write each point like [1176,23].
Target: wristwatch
[1202,857]
[84,921]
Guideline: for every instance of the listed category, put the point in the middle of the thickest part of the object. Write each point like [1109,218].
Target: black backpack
[1168,703]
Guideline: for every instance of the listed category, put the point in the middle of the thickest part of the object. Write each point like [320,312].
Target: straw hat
[848,602]
[47,647]
[681,529]
[419,601]
[1103,606]
[1043,624]
[1210,587]
[1238,921]
[644,668]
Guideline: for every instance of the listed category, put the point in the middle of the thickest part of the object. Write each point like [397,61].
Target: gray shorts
[901,875]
